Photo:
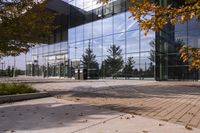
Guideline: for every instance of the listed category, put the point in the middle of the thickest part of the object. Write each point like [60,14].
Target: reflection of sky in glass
[101,34]
[86,5]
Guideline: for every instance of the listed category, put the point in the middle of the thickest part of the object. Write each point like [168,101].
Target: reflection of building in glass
[84,24]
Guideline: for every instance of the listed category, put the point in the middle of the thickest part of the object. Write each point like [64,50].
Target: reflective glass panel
[107,26]
[119,23]
[87,31]
[107,42]
[72,35]
[79,33]
[146,41]
[97,28]
[119,40]
[97,46]
[131,24]
[132,41]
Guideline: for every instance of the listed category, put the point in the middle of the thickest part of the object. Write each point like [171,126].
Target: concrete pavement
[50,115]
[176,102]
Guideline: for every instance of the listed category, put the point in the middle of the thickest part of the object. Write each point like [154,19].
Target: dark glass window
[194,33]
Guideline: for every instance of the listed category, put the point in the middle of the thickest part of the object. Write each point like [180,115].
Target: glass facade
[105,41]
[101,29]
[169,66]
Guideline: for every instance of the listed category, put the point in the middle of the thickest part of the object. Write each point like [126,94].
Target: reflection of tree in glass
[128,68]
[150,70]
[89,59]
[176,67]
[114,62]
[152,51]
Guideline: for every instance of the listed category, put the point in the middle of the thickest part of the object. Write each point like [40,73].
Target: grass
[12,89]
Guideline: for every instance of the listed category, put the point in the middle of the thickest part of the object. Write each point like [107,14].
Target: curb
[21,97]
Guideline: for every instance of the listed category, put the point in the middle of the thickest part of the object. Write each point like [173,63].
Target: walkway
[176,102]
[50,115]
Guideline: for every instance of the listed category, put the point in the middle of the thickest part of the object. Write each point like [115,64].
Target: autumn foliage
[23,24]
[191,56]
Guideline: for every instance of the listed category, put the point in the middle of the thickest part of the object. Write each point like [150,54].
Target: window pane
[72,51]
[146,41]
[51,48]
[108,26]
[97,47]
[194,33]
[181,32]
[79,50]
[119,23]
[132,41]
[87,31]
[107,42]
[97,28]
[119,40]
[131,24]
[72,35]
[79,33]
[57,47]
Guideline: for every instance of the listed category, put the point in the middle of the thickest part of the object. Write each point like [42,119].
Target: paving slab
[137,125]
[51,115]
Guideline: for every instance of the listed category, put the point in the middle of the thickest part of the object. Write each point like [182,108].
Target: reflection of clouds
[130,26]
[102,44]
[86,5]
[107,26]
[121,28]
[119,37]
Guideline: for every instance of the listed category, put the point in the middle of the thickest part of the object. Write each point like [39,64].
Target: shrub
[12,88]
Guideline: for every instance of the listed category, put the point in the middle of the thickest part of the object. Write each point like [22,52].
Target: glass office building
[108,43]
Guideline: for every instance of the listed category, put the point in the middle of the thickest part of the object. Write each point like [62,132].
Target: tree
[89,59]
[128,68]
[23,24]
[114,61]
[154,15]
[90,63]
[152,44]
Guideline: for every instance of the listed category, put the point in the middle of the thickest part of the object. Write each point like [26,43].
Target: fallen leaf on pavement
[77,99]
[161,125]
[66,113]
[81,114]
[188,127]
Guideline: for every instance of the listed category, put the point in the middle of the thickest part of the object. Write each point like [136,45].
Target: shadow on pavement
[133,91]
[51,115]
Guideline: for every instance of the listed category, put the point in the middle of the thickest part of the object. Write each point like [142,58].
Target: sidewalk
[50,115]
